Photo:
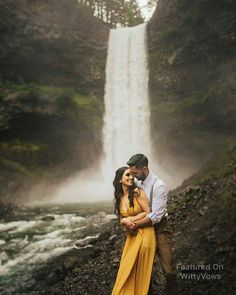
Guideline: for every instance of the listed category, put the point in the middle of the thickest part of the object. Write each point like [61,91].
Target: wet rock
[177,233]
[203,210]
[48,218]
[3,257]
[113,237]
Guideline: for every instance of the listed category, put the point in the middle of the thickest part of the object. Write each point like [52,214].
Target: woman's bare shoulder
[138,192]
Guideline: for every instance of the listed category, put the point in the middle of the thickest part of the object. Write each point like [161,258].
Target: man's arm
[159,202]
[144,222]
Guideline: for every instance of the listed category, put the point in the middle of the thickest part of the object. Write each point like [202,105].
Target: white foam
[25,260]
[85,241]
[2,242]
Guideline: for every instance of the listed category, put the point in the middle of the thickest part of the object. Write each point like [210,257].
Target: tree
[116,12]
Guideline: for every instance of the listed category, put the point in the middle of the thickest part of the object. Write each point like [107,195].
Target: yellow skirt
[136,263]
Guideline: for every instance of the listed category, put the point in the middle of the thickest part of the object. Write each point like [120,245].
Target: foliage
[13,166]
[205,104]
[52,112]
[116,12]
[64,100]
[19,147]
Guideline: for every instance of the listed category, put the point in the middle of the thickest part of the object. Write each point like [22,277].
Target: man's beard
[142,177]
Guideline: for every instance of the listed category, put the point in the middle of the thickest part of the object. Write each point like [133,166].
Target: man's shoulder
[160,184]
[157,181]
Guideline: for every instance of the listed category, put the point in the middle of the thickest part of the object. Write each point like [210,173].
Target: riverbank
[87,269]
[202,217]
[40,245]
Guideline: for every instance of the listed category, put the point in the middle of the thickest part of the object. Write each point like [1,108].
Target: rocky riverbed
[202,217]
[89,270]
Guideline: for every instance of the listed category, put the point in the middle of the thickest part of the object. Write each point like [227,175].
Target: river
[38,235]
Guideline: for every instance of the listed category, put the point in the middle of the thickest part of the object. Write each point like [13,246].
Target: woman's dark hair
[118,193]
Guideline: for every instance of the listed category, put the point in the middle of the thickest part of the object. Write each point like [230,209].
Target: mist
[126,129]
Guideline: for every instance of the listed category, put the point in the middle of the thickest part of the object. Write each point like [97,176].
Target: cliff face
[203,214]
[52,75]
[192,69]
[52,42]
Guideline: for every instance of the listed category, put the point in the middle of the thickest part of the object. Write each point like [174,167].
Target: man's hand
[145,222]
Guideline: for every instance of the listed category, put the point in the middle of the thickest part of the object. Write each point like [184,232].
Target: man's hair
[138,160]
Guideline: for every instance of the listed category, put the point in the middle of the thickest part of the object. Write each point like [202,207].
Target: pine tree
[116,12]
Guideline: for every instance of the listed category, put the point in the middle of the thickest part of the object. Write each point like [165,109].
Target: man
[155,189]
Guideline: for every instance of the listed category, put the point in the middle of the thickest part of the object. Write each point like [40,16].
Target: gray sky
[147,12]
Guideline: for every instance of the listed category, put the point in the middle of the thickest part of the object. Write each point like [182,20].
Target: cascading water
[127,114]
[126,120]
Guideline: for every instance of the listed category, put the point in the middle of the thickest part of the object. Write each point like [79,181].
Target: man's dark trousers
[164,252]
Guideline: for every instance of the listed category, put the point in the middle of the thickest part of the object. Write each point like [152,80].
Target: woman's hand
[128,223]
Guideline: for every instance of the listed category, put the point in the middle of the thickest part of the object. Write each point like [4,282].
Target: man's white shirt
[158,201]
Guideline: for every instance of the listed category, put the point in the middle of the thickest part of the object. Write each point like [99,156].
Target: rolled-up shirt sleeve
[159,202]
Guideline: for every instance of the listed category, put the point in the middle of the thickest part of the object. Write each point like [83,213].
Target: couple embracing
[141,208]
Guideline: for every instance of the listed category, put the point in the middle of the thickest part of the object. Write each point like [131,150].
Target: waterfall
[127,114]
[126,120]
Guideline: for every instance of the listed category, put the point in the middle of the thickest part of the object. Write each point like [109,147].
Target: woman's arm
[142,220]
[127,221]
[144,204]
[132,219]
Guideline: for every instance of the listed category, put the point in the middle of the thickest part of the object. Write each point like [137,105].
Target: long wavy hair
[118,193]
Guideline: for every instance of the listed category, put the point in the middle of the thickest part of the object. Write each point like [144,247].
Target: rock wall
[52,42]
[192,72]
[52,75]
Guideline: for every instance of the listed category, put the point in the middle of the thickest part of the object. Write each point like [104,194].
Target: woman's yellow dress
[136,263]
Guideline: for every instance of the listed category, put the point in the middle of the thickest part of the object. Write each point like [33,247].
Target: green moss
[220,166]
[165,107]
[89,110]
[35,90]
[207,101]
[25,154]
[14,167]
[83,101]
[157,57]
[227,203]
[88,104]
[193,102]
[171,31]
[18,146]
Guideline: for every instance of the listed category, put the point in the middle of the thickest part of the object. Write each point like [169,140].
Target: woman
[131,204]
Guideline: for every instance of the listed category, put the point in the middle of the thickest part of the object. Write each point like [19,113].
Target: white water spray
[127,114]
[126,120]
